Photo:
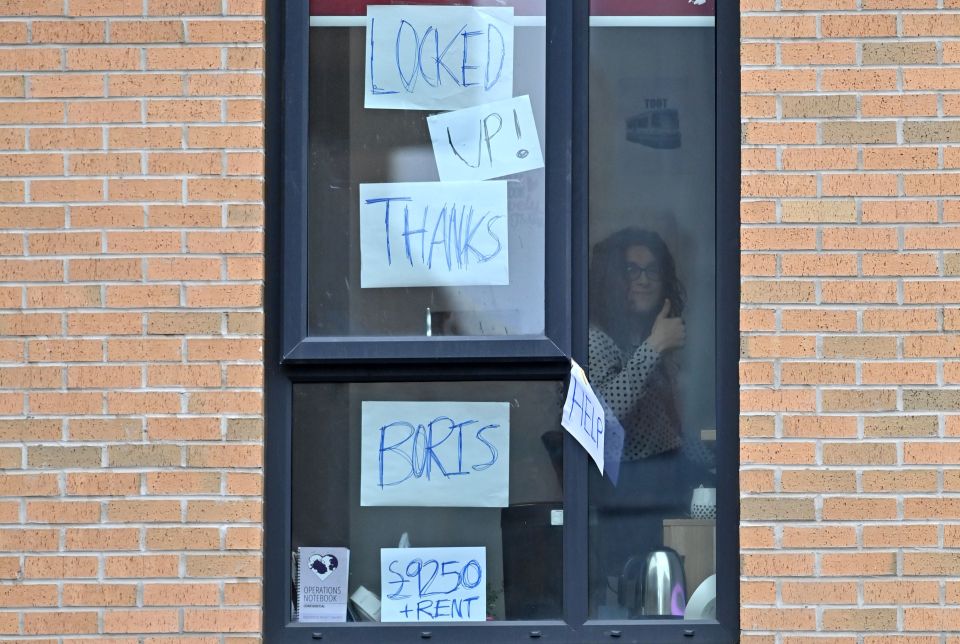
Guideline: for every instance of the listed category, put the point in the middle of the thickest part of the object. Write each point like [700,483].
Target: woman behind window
[636,329]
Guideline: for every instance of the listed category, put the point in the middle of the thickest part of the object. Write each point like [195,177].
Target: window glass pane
[350,145]
[523,537]
[652,309]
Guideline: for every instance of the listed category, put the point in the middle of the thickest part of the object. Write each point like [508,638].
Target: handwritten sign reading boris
[486,141]
[433,234]
[433,584]
[438,58]
[441,454]
[583,415]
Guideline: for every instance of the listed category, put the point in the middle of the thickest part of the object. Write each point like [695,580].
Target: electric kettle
[664,584]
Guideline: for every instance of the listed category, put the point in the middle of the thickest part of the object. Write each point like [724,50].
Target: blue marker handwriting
[433,451]
[434,55]
[433,584]
[446,236]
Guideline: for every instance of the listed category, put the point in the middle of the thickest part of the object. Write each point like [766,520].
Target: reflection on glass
[351,145]
[652,302]
[523,540]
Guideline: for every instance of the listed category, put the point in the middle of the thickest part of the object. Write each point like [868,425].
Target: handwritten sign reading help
[438,58]
[433,584]
[433,234]
[440,454]
[487,141]
[583,415]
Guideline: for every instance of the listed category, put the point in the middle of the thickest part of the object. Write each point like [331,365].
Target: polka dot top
[639,391]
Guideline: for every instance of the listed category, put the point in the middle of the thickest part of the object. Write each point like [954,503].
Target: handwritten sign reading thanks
[433,234]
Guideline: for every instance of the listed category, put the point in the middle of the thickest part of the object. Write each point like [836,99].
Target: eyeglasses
[635,271]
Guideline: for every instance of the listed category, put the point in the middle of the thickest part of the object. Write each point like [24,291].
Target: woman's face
[644,279]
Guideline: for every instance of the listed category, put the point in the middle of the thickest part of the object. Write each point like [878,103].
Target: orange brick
[59,623]
[102,539]
[859,79]
[141,621]
[788,619]
[867,563]
[103,112]
[145,85]
[143,242]
[184,7]
[191,538]
[104,164]
[819,592]
[99,595]
[822,53]
[182,483]
[858,26]
[95,58]
[105,8]
[185,163]
[819,426]
[778,27]
[145,189]
[183,375]
[150,295]
[183,428]
[906,592]
[183,58]
[181,594]
[225,31]
[872,105]
[225,85]
[103,269]
[862,453]
[102,484]
[59,567]
[67,85]
[154,31]
[222,620]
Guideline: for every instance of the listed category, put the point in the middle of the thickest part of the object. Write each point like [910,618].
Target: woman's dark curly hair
[609,304]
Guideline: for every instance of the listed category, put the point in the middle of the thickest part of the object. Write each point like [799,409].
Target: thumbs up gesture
[667,333]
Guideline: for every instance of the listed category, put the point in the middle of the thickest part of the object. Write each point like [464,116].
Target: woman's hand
[667,333]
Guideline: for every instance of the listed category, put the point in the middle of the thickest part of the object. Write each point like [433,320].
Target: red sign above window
[532,7]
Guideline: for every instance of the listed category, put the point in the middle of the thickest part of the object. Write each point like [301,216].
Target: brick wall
[130,255]
[850,376]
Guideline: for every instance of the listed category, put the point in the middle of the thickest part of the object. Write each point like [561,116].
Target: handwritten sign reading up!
[441,454]
[433,584]
[433,234]
[486,141]
[438,58]
[583,415]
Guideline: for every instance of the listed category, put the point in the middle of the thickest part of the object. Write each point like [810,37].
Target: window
[520,184]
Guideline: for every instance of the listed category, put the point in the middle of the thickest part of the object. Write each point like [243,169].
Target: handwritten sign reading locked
[437,58]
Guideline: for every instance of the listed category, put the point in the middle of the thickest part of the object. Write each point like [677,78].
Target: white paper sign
[486,141]
[438,57]
[583,415]
[433,234]
[433,584]
[322,585]
[441,454]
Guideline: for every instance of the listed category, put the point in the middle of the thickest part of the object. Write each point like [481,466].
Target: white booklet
[322,589]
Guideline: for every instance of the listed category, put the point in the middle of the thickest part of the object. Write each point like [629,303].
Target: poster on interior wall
[437,57]
[322,584]
[434,234]
[433,584]
[438,454]
[486,141]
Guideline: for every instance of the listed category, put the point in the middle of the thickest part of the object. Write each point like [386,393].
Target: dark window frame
[291,356]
